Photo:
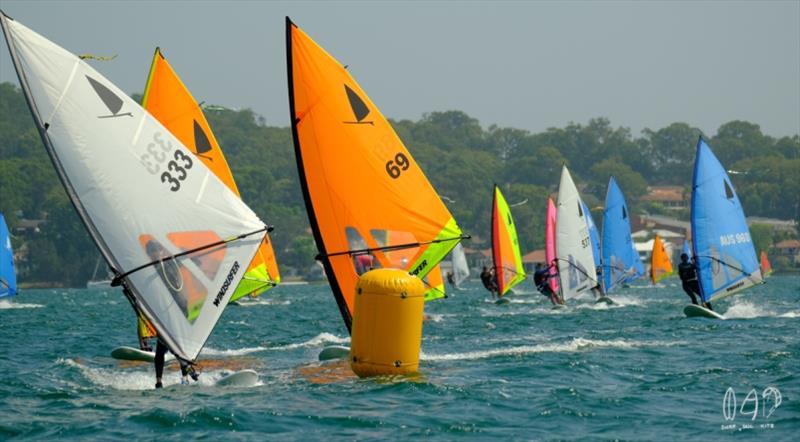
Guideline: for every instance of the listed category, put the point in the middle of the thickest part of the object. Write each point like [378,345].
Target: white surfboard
[132,354]
[242,378]
[334,352]
[696,311]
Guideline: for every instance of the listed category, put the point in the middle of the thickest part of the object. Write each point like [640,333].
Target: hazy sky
[529,65]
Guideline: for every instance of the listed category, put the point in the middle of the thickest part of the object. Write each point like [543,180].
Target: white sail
[140,192]
[460,266]
[576,268]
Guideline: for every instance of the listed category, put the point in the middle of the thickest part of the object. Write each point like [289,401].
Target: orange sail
[508,266]
[369,203]
[766,267]
[660,265]
[170,102]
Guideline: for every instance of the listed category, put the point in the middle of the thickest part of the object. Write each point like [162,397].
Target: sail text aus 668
[734,238]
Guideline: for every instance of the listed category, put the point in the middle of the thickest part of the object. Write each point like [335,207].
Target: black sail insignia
[201,143]
[110,99]
[360,109]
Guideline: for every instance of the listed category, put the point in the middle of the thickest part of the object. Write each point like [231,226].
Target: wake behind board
[242,378]
[334,352]
[502,301]
[604,299]
[132,354]
[696,311]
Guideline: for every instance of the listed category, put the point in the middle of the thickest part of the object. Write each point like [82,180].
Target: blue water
[637,370]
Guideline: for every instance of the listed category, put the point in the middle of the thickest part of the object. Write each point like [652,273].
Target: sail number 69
[396,166]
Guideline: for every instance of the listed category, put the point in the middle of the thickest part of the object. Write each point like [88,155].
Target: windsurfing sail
[766,267]
[171,103]
[687,249]
[362,188]
[8,276]
[576,264]
[594,236]
[506,255]
[660,264]
[621,261]
[460,266]
[720,237]
[550,245]
[434,282]
[175,236]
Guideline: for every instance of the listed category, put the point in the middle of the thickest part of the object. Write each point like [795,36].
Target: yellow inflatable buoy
[387,323]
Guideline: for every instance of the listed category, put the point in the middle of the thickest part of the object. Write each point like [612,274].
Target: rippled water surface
[635,370]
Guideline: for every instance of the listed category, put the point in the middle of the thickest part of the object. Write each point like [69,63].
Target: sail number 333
[160,153]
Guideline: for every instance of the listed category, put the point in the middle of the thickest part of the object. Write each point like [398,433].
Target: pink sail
[550,244]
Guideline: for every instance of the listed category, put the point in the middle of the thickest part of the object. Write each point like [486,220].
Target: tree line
[461,159]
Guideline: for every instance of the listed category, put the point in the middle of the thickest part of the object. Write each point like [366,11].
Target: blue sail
[594,236]
[720,237]
[621,261]
[8,277]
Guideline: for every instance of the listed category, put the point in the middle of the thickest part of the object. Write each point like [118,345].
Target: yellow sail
[660,265]
[369,203]
[171,103]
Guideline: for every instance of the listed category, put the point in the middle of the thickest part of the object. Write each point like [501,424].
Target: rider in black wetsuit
[540,279]
[186,369]
[688,273]
[489,281]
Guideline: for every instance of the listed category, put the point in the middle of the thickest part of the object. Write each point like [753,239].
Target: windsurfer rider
[451,279]
[688,273]
[186,368]
[489,281]
[541,278]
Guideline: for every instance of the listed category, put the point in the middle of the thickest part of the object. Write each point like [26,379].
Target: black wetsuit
[540,279]
[489,281]
[688,273]
[161,351]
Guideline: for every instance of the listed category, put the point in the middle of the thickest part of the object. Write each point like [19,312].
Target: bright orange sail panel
[369,203]
[766,267]
[171,103]
[660,264]
[506,254]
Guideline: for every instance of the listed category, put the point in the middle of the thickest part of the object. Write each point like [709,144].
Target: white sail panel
[460,266]
[140,192]
[576,267]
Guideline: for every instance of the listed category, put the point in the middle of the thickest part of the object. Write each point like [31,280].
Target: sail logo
[357,105]
[769,401]
[419,268]
[227,284]
[734,238]
[110,99]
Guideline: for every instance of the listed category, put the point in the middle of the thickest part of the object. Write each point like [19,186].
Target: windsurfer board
[132,354]
[334,352]
[696,311]
[242,378]
[502,301]
[604,299]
